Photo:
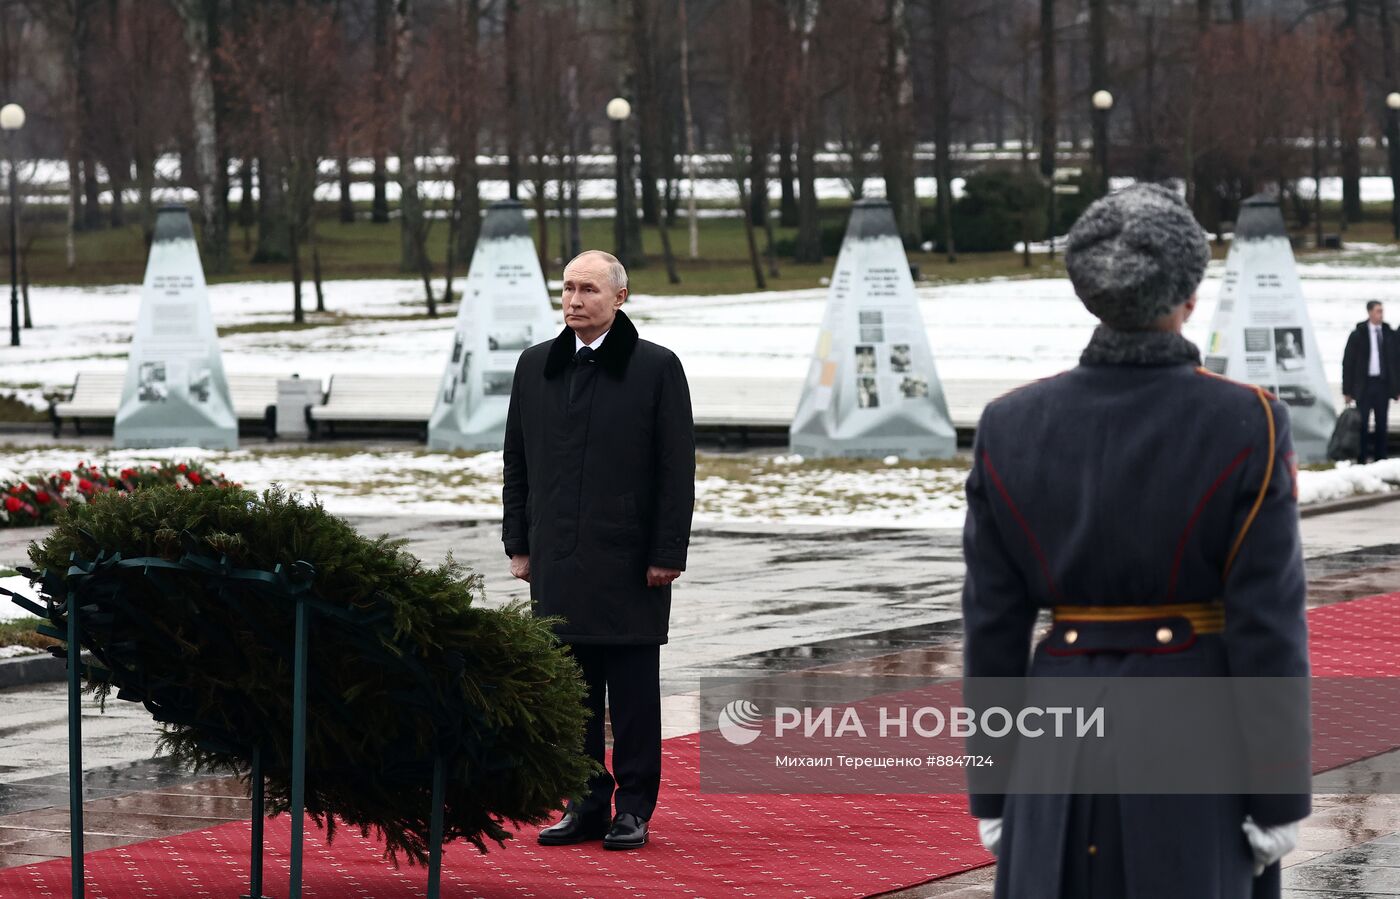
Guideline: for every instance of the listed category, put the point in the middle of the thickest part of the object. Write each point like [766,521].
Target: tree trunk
[787,207]
[316,265]
[897,139]
[145,189]
[693,220]
[1098,80]
[412,248]
[92,200]
[274,220]
[1351,114]
[749,236]
[809,235]
[24,286]
[347,203]
[1048,111]
[513,112]
[648,112]
[298,312]
[1392,118]
[467,185]
[383,55]
[541,191]
[943,127]
[198,16]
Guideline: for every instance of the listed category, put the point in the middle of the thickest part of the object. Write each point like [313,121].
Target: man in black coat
[599,490]
[1371,375]
[1152,507]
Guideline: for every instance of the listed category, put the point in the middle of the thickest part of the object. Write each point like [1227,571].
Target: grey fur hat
[1135,255]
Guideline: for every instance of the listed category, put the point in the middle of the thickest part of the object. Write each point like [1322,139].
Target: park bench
[752,409]
[97,395]
[361,402]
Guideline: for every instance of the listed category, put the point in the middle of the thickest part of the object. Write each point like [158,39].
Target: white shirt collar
[579,344]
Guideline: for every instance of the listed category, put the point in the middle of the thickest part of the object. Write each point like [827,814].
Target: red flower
[43,497]
[128,473]
[12,504]
[182,468]
[85,485]
[195,478]
[65,476]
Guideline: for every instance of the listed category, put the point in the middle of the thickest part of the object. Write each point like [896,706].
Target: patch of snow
[1349,479]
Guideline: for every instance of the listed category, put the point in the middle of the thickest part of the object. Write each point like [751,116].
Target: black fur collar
[613,355]
[1109,346]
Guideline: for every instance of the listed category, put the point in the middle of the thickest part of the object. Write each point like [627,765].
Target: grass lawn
[366,250]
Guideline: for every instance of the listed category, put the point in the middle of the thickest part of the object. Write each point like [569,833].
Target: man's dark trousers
[1373,399]
[631,676]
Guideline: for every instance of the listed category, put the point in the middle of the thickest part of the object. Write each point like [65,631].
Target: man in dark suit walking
[599,491]
[1371,376]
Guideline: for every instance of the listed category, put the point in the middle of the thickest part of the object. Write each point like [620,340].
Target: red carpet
[704,845]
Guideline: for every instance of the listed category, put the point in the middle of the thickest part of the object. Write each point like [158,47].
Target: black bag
[1346,436]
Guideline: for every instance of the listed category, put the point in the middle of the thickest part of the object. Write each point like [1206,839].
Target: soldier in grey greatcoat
[1152,506]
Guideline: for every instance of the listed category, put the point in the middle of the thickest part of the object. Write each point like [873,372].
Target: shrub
[997,209]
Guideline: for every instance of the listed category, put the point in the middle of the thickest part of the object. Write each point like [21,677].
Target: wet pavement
[757,600]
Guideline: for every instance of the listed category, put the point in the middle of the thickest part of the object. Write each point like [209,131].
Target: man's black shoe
[574,828]
[628,832]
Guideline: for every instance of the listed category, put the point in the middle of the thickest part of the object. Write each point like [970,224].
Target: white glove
[1270,844]
[989,829]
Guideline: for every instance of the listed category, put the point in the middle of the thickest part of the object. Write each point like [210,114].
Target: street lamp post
[11,120]
[1102,102]
[1392,146]
[618,111]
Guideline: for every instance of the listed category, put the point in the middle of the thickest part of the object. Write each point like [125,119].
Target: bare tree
[200,18]
[897,133]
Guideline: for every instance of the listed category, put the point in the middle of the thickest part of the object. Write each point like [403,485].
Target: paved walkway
[757,599]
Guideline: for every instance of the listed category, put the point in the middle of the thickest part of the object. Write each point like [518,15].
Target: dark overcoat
[1356,360]
[1129,480]
[600,486]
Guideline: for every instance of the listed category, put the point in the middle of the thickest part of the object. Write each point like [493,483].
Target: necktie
[578,376]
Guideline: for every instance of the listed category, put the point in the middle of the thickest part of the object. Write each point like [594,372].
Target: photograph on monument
[867,393]
[901,359]
[150,383]
[914,387]
[513,337]
[449,387]
[1295,395]
[496,383]
[872,326]
[865,360]
[201,382]
[1288,347]
[466,366]
[456,348]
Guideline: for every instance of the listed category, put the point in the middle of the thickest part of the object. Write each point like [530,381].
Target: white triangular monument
[872,389]
[1261,333]
[175,393]
[505,308]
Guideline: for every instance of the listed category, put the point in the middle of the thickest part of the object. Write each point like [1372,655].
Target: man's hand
[520,567]
[659,577]
[1347,400]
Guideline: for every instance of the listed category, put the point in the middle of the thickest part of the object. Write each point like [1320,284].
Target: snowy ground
[1002,328]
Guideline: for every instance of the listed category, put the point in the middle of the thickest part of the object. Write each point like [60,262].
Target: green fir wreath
[188,606]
